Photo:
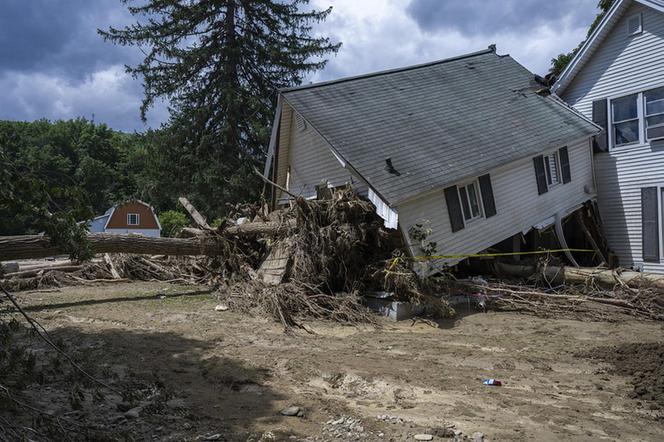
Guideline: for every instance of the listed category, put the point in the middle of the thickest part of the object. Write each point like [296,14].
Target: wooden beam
[195,214]
[207,243]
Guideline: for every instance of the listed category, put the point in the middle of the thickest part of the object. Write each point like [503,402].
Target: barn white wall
[145,232]
[518,206]
[623,65]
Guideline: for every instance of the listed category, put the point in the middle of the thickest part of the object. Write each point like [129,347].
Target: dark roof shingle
[439,123]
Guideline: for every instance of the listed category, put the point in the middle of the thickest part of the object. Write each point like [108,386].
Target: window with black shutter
[540,175]
[564,165]
[650,224]
[454,208]
[486,191]
[600,117]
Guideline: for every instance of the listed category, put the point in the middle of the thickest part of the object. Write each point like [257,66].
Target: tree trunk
[603,277]
[247,229]
[195,214]
[37,246]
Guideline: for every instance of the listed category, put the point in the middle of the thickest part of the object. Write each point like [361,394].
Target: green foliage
[56,174]
[219,64]
[559,63]
[217,222]
[172,221]
[419,233]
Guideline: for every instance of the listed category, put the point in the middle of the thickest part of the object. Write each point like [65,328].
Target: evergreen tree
[559,63]
[219,64]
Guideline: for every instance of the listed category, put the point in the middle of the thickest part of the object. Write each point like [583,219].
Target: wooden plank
[195,214]
[275,267]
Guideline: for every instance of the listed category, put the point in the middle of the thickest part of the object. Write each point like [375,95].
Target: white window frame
[549,172]
[639,119]
[645,115]
[638,31]
[138,219]
[480,204]
[640,111]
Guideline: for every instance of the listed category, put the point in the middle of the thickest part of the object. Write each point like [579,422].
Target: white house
[472,145]
[617,79]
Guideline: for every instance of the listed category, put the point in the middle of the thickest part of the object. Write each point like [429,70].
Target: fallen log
[35,272]
[39,246]
[571,275]
[269,228]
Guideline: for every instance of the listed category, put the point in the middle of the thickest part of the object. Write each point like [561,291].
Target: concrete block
[395,310]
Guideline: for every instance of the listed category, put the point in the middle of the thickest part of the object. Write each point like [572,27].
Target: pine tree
[219,64]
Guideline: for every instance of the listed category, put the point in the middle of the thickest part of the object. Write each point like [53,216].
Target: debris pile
[320,265]
[316,259]
[544,297]
[313,259]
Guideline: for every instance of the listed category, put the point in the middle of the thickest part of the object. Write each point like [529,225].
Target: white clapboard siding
[312,162]
[621,175]
[623,65]
[518,206]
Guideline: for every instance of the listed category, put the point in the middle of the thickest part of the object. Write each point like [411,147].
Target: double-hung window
[654,113]
[552,168]
[637,118]
[469,196]
[132,219]
[625,118]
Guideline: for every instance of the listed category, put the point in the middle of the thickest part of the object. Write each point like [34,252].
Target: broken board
[275,267]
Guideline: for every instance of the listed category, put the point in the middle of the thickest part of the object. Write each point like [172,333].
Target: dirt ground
[226,376]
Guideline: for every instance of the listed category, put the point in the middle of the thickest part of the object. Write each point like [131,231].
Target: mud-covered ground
[184,371]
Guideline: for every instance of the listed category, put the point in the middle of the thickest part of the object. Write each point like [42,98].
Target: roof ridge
[491,49]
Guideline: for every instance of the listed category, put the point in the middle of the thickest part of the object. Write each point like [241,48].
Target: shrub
[172,221]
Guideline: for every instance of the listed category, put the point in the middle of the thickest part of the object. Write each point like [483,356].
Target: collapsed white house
[471,146]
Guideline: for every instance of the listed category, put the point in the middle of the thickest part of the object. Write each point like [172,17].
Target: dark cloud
[487,17]
[50,35]
[53,64]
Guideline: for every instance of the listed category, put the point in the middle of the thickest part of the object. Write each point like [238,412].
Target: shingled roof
[438,123]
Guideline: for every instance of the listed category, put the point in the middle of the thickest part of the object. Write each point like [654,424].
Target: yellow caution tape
[396,259]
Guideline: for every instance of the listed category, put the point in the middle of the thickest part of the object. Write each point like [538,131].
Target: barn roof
[437,123]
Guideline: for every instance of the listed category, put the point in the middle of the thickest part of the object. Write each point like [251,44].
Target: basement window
[634,25]
[552,168]
[469,196]
[132,219]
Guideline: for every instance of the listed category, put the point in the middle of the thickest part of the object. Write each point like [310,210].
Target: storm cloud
[488,17]
[54,65]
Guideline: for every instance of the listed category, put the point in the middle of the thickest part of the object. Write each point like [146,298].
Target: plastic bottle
[493,382]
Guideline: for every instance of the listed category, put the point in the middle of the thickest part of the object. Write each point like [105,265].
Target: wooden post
[516,246]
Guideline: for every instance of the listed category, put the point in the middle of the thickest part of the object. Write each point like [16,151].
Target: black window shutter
[564,165]
[600,117]
[487,196]
[454,208]
[650,224]
[540,175]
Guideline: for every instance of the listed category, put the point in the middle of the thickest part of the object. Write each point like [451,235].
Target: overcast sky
[53,64]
